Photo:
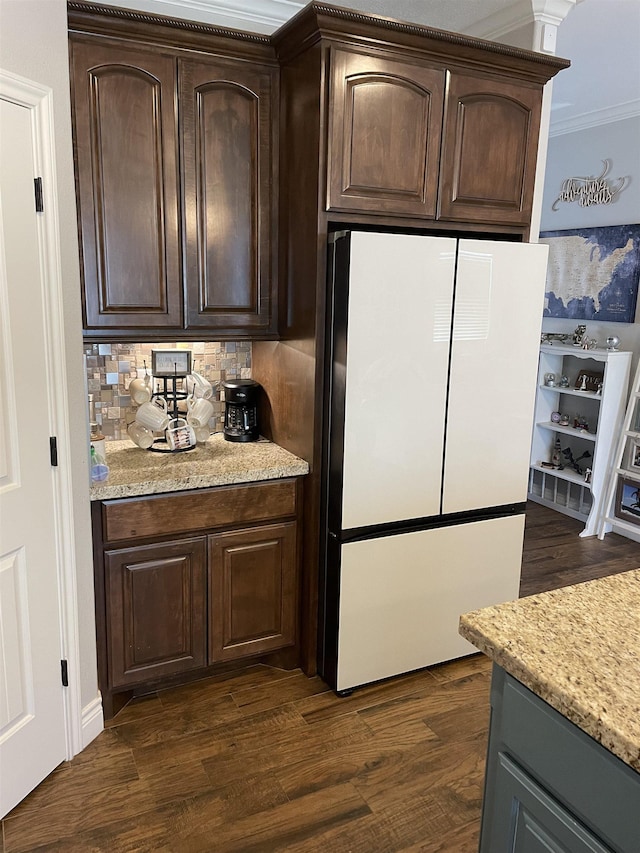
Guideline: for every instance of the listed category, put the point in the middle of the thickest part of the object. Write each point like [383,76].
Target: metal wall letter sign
[588,191]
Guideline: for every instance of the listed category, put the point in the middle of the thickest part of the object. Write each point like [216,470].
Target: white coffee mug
[140,389]
[140,435]
[199,412]
[153,415]
[202,434]
[180,435]
[199,387]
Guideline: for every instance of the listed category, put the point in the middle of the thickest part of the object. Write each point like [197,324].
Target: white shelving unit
[625,473]
[566,490]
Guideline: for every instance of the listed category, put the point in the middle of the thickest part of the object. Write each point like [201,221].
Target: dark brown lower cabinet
[183,592]
[252,590]
[156,610]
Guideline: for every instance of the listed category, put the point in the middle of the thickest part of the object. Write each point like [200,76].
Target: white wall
[581,153]
[33,44]
[578,154]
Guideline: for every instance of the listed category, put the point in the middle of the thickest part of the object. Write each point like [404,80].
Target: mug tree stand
[173,395]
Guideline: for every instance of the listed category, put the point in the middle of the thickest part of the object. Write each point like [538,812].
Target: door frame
[39,100]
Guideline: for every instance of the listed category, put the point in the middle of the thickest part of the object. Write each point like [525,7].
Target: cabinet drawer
[185,512]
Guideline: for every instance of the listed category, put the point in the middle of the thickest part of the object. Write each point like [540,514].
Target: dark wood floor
[267,760]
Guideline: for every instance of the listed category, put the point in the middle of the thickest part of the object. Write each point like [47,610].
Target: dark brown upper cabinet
[385,125]
[176,169]
[398,145]
[489,150]
[226,157]
[209,161]
[126,149]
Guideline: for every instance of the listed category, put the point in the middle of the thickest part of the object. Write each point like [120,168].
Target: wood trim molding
[78,11]
[316,21]
[38,99]
[329,22]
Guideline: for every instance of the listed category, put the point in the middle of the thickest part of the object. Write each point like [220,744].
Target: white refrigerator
[431,377]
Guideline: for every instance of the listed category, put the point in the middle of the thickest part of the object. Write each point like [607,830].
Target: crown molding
[264,16]
[618,112]
[521,14]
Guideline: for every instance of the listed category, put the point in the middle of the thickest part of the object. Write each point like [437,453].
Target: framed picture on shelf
[634,460]
[587,380]
[627,505]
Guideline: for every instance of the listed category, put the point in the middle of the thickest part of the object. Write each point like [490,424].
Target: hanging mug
[140,389]
[199,387]
[140,435]
[153,415]
[199,412]
[202,434]
[180,435]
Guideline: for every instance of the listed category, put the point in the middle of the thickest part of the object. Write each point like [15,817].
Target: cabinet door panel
[155,610]
[228,180]
[489,150]
[252,591]
[126,149]
[385,135]
[526,819]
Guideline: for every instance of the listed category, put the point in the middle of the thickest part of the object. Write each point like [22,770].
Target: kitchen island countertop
[134,472]
[578,649]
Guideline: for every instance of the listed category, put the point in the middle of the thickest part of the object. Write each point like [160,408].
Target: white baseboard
[92,721]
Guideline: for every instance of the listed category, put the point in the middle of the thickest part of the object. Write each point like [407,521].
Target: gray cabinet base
[550,788]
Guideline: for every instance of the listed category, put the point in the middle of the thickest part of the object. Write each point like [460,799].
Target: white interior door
[398,341]
[494,361]
[32,725]
[401,596]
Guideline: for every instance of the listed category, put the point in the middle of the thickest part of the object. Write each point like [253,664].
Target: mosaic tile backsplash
[111,367]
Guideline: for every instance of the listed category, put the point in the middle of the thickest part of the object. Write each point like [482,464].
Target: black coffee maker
[241,409]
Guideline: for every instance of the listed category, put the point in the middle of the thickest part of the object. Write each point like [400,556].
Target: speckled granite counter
[133,471]
[578,649]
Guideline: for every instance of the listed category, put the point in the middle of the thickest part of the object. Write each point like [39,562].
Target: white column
[531,25]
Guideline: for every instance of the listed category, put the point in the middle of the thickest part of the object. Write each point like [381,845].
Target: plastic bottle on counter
[98,461]
[99,468]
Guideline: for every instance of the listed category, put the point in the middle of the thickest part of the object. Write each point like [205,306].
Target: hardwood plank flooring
[265,760]
[556,556]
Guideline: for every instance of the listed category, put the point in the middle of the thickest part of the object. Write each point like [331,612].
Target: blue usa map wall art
[593,273]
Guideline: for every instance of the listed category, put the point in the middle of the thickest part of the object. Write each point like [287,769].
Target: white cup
[199,412]
[180,435]
[199,387]
[140,389]
[202,434]
[140,435]
[153,415]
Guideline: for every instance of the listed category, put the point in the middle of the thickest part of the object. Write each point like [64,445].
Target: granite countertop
[133,471]
[578,649]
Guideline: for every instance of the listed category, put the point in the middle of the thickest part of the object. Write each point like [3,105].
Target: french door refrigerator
[432,361]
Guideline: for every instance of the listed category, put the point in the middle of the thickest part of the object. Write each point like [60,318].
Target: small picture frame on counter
[627,504]
[170,363]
